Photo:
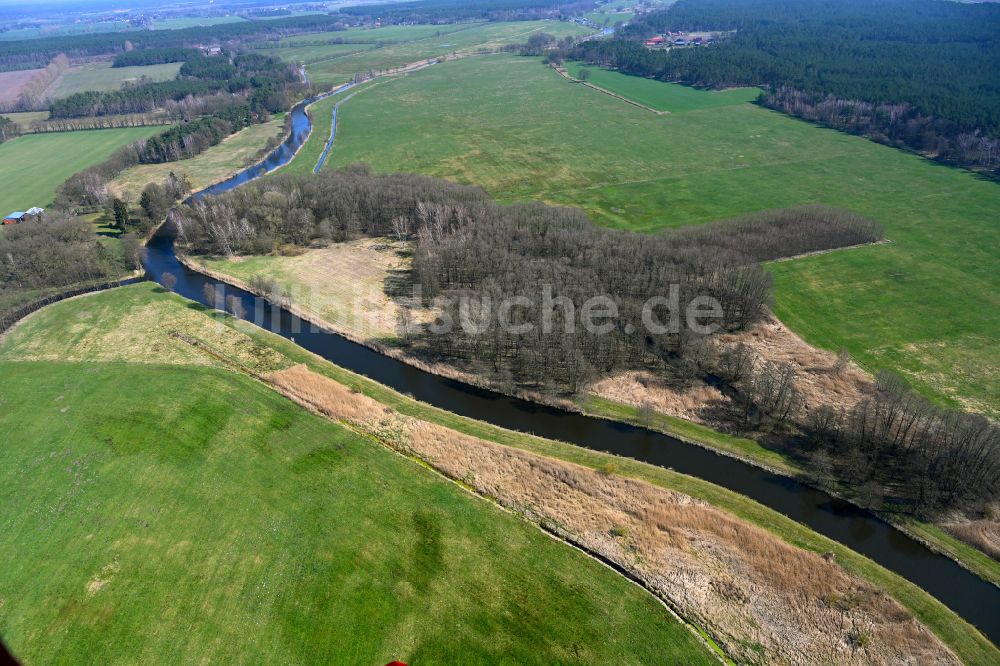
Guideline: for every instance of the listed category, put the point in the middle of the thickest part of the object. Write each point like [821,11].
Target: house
[14,218]
[680,42]
[34,212]
[655,41]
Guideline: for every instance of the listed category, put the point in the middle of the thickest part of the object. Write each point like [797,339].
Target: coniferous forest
[924,75]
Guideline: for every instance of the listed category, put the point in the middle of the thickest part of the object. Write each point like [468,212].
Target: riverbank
[741,448]
[113,338]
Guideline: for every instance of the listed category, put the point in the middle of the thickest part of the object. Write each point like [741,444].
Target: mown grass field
[215,164]
[102,76]
[33,166]
[925,305]
[165,513]
[662,96]
[191,414]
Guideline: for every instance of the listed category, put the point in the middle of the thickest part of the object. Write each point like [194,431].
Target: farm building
[27,216]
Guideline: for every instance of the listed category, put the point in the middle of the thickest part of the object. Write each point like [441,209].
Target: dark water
[280,156]
[974,599]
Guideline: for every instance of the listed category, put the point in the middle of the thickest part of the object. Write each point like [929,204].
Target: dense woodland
[893,447]
[154,56]
[37,53]
[917,73]
[468,245]
[56,252]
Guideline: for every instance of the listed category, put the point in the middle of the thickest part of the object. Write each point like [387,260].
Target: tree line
[154,56]
[892,449]
[938,61]
[36,53]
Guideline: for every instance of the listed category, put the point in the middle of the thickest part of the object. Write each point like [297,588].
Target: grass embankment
[925,304]
[115,325]
[164,513]
[215,164]
[101,76]
[321,113]
[33,166]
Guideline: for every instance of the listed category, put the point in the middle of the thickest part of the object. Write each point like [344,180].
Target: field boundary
[566,75]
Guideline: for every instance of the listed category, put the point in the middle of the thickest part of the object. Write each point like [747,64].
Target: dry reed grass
[983,534]
[762,600]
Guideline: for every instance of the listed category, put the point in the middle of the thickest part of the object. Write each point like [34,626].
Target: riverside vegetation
[923,459]
[108,346]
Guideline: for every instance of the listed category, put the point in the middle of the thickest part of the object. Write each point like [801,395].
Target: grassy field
[194,21]
[102,76]
[27,117]
[211,166]
[185,513]
[661,96]
[925,305]
[331,64]
[110,333]
[33,166]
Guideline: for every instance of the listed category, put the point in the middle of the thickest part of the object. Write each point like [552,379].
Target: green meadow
[102,76]
[925,304]
[158,508]
[332,63]
[36,164]
[189,511]
[661,96]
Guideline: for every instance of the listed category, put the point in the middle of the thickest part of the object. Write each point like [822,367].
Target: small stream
[976,600]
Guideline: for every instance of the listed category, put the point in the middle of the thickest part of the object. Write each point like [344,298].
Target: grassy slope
[213,165]
[924,304]
[162,513]
[32,167]
[102,76]
[116,324]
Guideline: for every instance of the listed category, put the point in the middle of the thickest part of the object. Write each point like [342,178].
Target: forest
[199,76]
[922,74]
[471,253]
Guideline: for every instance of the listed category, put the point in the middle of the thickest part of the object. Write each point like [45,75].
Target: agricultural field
[215,164]
[53,30]
[27,117]
[926,304]
[38,163]
[101,76]
[337,63]
[160,508]
[193,22]
[11,83]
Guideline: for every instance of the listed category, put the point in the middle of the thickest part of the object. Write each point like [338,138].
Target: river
[976,600]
